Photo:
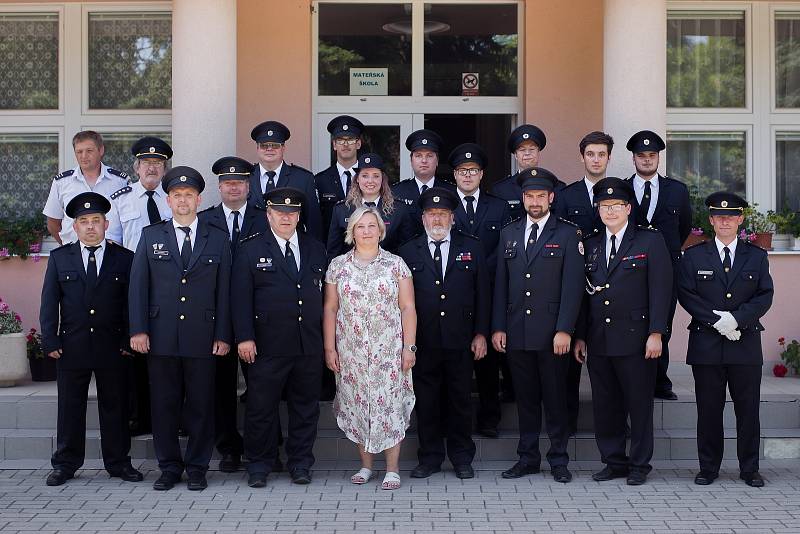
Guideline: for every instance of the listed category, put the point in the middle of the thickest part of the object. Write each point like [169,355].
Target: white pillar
[203,86]
[634,75]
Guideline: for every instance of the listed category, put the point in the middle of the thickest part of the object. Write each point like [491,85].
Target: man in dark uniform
[84,327]
[334,182]
[483,215]
[663,203]
[576,204]
[629,282]
[278,326]
[726,287]
[537,298]
[240,218]
[272,171]
[526,143]
[179,317]
[451,290]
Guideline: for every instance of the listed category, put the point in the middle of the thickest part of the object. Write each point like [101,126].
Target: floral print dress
[374,398]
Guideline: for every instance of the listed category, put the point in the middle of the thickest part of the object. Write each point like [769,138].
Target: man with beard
[537,298]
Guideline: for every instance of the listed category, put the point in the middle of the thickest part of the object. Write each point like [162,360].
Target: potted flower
[783,222]
[701,227]
[13,364]
[790,355]
[43,369]
[758,224]
[22,237]
[796,233]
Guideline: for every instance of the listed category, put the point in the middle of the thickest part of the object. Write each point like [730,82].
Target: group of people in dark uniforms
[163,303]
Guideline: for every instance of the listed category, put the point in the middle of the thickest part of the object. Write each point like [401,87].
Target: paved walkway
[669,503]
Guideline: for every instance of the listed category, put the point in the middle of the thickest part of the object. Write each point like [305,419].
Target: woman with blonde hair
[369,332]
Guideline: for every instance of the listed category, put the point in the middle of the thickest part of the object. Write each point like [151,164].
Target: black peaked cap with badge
[232,168]
[438,197]
[526,132]
[724,203]
[645,141]
[151,147]
[286,199]
[182,176]
[468,153]
[345,126]
[424,139]
[270,132]
[537,178]
[612,188]
[86,203]
[369,161]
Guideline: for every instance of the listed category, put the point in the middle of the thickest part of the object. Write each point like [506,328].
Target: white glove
[726,323]
[733,335]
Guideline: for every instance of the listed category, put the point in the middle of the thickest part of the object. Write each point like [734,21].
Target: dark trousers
[301,375]
[539,377]
[663,383]
[744,383]
[442,385]
[182,391]
[226,433]
[573,392]
[112,402]
[622,387]
[487,379]
[139,392]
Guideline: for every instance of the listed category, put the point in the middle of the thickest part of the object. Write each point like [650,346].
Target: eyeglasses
[156,164]
[611,208]
[269,146]
[345,142]
[468,172]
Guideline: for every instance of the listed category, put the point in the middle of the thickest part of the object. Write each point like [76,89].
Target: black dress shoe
[277,467]
[243,397]
[561,474]
[752,479]
[520,469]
[424,471]
[666,395]
[609,474]
[126,473]
[464,471]
[301,476]
[636,478]
[138,429]
[230,463]
[257,480]
[197,482]
[489,432]
[705,478]
[166,481]
[57,477]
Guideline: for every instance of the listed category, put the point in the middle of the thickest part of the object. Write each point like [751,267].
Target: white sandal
[391,481]
[363,476]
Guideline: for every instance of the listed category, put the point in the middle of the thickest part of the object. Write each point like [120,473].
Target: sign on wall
[470,84]
[369,81]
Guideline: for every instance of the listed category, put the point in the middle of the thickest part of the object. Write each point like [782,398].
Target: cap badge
[345,127]
[87,205]
[270,132]
[233,169]
[424,141]
[435,199]
[468,155]
[287,200]
[152,149]
[610,190]
[526,135]
[182,178]
[533,172]
[646,142]
[724,203]
[367,160]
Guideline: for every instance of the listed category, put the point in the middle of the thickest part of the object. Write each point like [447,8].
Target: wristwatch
[411,348]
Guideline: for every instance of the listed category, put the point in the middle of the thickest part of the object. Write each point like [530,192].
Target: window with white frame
[115,79]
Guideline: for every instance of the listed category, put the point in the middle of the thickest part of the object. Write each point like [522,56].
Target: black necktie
[470,210]
[613,248]
[423,189]
[186,248]
[370,204]
[270,181]
[644,207]
[152,209]
[235,232]
[726,263]
[290,262]
[91,271]
[347,180]
[531,240]
[437,259]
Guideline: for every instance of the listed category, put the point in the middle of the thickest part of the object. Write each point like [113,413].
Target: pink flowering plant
[10,321]
[22,237]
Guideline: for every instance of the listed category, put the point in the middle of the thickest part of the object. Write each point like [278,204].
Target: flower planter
[43,369]
[694,239]
[796,243]
[763,240]
[781,241]
[13,359]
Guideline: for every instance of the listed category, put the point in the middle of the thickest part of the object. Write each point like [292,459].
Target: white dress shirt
[444,248]
[98,255]
[421,183]
[343,178]
[589,185]
[529,227]
[721,246]
[476,194]
[294,244]
[179,235]
[638,187]
[617,242]
[229,217]
[129,213]
[265,178]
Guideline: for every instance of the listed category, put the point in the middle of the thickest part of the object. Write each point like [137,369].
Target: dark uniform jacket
[491,214]
[254,220]
[574,205]
[534,299]
[90,333]
[281,313]
[406,191]
[329,189]
[510,191]
[450,313]
[746,291]
[183,313]
[672,216]
[631,297]
[400,227]
[299,178]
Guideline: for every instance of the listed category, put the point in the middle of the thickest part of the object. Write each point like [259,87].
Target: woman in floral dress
[369,326]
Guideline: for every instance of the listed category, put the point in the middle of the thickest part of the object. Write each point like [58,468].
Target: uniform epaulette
[754,245]
[593,233]
[338,202]
[298,167]
[162,221]
[64,174]
[118,173]
[567,221]
[512,221]
[466,234]
[695,245]
[251,236]
[65,245]
[647,228]
[210,208]
[257,206]
[118,193]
